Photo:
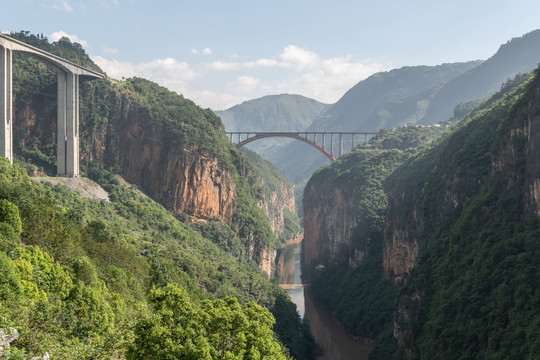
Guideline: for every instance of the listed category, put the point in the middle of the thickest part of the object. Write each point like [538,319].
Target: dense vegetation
[105,105]
[473,293]
[78,287]
[478,272]
[360,298]
[83,278]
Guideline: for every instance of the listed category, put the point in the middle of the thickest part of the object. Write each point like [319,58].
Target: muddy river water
[336,343]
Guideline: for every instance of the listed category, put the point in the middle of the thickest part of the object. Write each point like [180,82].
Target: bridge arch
[296,136]
[68,102]
[309,137]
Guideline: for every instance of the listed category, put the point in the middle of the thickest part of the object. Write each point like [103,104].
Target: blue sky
[219,53]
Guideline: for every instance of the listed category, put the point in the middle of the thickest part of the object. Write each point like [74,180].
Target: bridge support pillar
[340,145]
[68,124]
[6,99]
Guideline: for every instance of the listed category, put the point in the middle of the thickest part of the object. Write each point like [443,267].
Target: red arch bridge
[321,140]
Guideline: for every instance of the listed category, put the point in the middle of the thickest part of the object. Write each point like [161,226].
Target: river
[336,343]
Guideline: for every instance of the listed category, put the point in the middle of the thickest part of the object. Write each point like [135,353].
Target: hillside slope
[456,273]
[170,148]
[178,154]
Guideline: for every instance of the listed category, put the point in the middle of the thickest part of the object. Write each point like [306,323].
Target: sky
[220,53]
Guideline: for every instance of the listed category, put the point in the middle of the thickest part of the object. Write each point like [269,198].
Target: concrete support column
[332,143]
[6,100]
[68,124]
[340,144]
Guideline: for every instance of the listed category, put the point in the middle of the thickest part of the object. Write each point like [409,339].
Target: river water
[336,343]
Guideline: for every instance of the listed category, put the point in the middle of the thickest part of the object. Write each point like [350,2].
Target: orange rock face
[183,179]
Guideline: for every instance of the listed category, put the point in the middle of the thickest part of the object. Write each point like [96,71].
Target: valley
[418,242]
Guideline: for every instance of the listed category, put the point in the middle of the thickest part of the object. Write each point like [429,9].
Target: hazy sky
[219,53]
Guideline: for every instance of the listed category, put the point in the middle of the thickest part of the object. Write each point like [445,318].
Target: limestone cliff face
[508,162]
[183,178]
[124,138]
[520,147]
[345,207]
[329,221]
[401,245]
[406,226]
[275,202]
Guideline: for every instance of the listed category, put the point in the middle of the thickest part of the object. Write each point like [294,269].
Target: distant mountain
[272,113]
[519,55]
[413,95]
[383,100]
[369,103]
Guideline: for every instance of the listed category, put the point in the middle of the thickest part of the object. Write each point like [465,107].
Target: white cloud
[244,84]
[108,50]
[263,63]
[170,73]
[109,3]
[222,84]
[299,58]
[224,65]
[55,36]
[205,51]
[62,5]
[215,100]
[330,79]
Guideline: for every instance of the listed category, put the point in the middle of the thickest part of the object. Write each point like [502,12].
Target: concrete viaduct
[241,138]
[69,75]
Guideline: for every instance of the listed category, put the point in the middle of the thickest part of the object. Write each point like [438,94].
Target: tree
[9,213]
[212,329]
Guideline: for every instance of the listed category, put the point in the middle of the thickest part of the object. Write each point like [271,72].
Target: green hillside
[473,291]
[465,202]
[89,279]
[359,297]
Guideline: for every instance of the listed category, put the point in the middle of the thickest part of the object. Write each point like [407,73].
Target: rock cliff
[183,177]
[179,157]
[275,202]
[344,204]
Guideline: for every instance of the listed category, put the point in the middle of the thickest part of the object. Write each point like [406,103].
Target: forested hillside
[170,148]
[345,211]
[91,279]
[472,281]
[448,265]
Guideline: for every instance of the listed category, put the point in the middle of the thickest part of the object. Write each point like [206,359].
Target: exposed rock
[7,337]
[274,204]
[83,186]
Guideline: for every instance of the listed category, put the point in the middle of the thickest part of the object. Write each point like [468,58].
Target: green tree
[213,329]
[9,213]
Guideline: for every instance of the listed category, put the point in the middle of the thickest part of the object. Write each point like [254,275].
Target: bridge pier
[68,124]
[6,98]
[68,103]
